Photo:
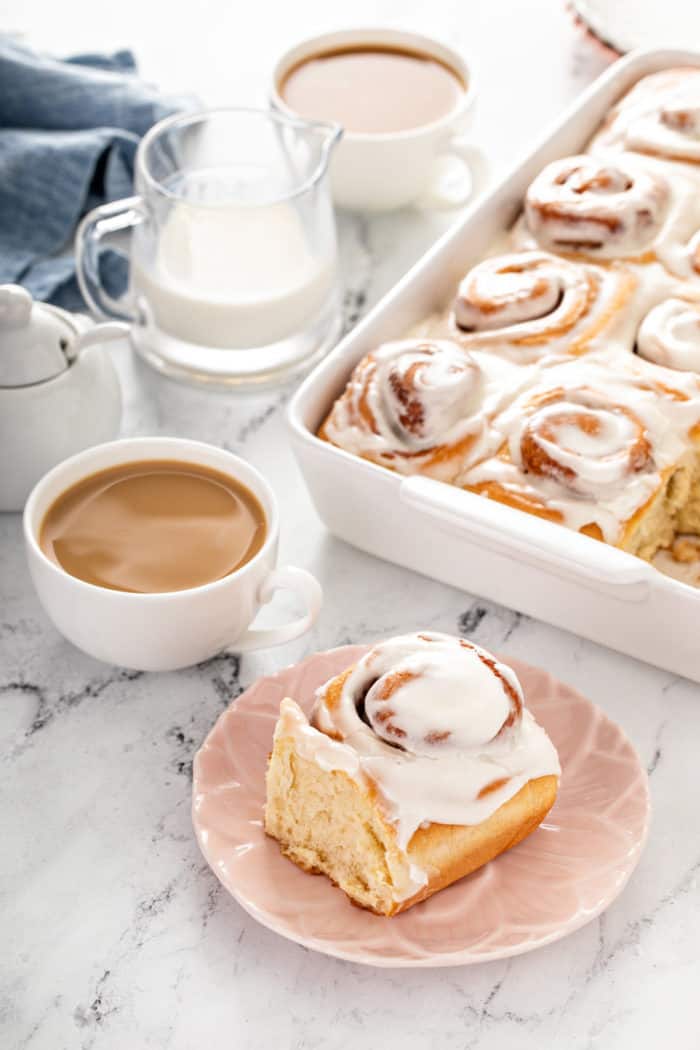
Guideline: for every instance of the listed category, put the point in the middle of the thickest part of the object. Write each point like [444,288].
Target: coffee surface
[373,90]
[153,526]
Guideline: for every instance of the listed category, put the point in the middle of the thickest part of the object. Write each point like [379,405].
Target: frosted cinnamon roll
[583,441]
[660,116]
[415,406]
[670,335]
[608,208]
[608,451]
[526,305]
[618,206]
[422,760]
[678,249]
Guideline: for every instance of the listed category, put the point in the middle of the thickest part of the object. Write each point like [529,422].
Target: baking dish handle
[530,539]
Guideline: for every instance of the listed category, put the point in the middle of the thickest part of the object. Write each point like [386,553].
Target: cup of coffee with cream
[404,102]
[157,553]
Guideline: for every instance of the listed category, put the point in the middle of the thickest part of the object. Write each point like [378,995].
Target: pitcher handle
[98,223]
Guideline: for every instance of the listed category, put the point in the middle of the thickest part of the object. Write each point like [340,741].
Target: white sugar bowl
[59,392]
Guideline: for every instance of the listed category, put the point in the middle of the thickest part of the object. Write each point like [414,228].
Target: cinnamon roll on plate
[418,765]
[420,406]
[610,452]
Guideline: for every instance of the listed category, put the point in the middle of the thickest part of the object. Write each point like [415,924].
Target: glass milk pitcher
[233,256]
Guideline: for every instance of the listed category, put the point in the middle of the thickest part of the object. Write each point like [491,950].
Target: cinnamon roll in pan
[620,206]
[610,209]
[421,406]
[616,207]
[612,453]
[659,117]
[419,764]
[581,402]
[669,335]
[530,305]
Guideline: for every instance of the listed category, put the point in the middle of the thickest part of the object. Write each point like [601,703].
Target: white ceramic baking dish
[484,547]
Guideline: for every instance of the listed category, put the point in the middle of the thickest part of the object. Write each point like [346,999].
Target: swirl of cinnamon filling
[524,305]
[669,335]
[396,704]
[425,694]
[582,441]
[412,405]
[660,116]
[673,132]
[439,724]
[604,208]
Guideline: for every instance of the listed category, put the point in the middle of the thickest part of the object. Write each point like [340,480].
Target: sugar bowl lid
[36,340]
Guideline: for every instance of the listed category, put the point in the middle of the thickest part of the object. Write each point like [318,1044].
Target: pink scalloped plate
[557,880]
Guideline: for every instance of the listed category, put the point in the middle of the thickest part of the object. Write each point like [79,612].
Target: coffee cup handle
[291,579]
[112,218]
[449,190]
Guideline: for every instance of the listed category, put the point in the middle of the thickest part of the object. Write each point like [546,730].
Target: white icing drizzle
[457,742]
[514,290]
[608,208]
[332,756]
[670,335]
[531,305]
[660,115]
[418,404]
[585,442]
[635,423]
[649,212]
[521,296]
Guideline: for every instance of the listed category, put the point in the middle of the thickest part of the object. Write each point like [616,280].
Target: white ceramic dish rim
[328,378]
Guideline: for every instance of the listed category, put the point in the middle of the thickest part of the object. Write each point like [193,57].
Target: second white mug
[166,631]
[383,171]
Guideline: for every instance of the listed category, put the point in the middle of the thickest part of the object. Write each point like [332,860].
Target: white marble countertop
[115,933]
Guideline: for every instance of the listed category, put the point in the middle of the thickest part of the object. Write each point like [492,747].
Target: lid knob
[34,339]
[15,306]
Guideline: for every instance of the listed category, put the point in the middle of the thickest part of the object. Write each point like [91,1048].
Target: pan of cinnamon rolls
[551,364]
[564,378]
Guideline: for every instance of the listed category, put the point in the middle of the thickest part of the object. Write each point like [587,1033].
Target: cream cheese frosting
[436,724]
[659,116]
[603,438]
[605,207]
[614,206]
[420,404]
[670,335]
[531,305]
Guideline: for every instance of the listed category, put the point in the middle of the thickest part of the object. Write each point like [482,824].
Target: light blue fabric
[68,135]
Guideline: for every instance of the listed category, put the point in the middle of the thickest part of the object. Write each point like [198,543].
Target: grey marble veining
[115,934]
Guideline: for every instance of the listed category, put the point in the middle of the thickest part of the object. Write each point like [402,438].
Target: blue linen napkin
[68,136]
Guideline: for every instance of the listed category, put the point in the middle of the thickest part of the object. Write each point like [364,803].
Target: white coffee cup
[383,171]
[163,632]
